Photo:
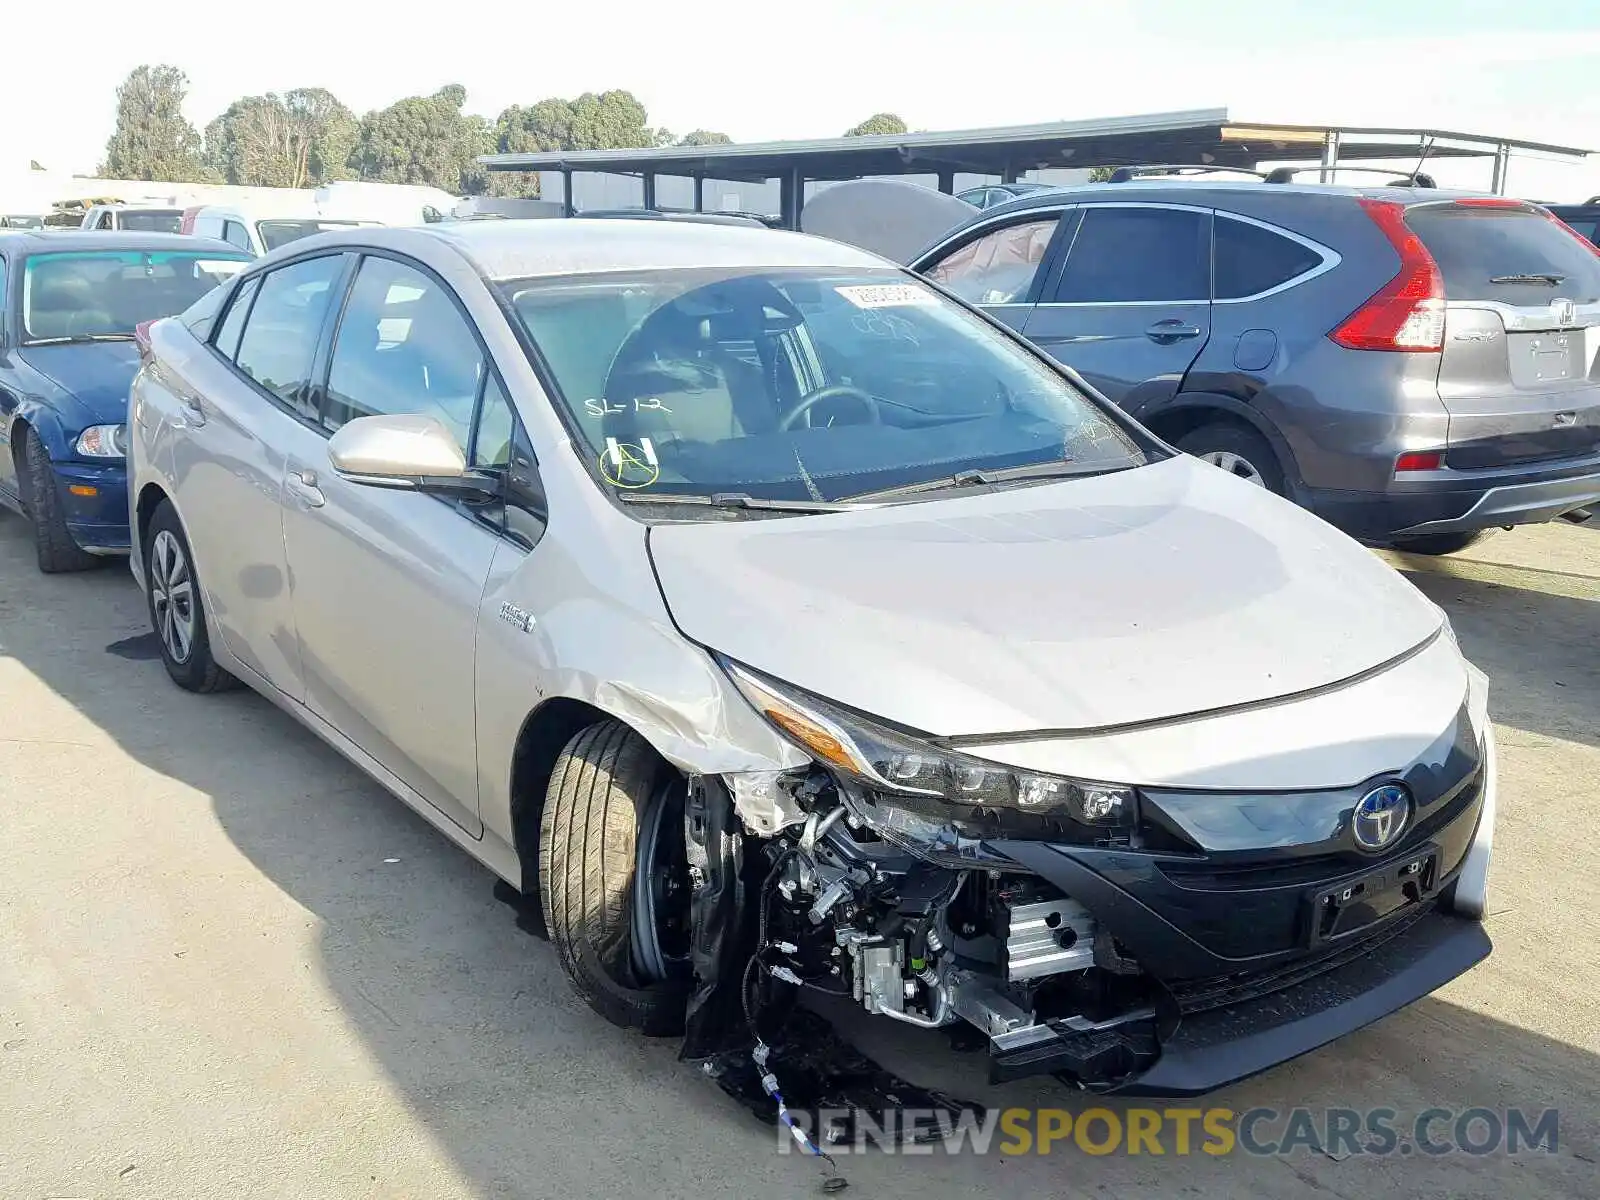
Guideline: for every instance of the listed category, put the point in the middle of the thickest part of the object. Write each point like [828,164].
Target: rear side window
[1513,255]
[1251,260]
[283,328]
[227,340]
[998,267]
[1125,255]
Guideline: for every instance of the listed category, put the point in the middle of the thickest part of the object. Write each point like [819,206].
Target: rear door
[1520,370]
[1001,265]
[1129,304]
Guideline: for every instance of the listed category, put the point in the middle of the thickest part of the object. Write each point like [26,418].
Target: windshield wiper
[1548,277]
[976,478]
[735,500]
[75,338]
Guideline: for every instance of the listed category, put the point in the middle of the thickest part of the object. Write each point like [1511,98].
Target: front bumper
[1254,962]
[1448,501]
[94,500]
[1223,1045]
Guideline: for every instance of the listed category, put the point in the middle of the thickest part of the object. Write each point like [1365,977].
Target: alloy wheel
[1236,465]
[172,596]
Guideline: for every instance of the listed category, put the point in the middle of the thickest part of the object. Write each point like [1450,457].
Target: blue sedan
[70,304]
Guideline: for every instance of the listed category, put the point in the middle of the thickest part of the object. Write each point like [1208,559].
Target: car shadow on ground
[508,1071]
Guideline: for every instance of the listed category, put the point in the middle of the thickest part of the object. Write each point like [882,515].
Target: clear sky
[813,67]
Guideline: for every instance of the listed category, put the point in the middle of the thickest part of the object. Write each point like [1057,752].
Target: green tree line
[306,137]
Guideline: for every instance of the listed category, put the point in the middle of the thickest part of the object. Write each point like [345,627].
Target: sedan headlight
[902,763]
[104,441]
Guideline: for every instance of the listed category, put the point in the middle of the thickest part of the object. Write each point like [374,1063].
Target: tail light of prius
[1407,313]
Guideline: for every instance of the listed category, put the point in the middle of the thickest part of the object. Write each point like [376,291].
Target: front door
[387,584]
[1129,304]
[999,267]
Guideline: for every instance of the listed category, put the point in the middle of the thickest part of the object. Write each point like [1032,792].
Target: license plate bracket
[1357,901]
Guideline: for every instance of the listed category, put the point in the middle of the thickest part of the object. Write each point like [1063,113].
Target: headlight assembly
[103,441]
[901,763]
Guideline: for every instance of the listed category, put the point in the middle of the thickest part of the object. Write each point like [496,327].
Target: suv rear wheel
[614,878]
[1241,452]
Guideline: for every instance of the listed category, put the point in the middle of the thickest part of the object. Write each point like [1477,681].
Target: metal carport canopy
[1196,136]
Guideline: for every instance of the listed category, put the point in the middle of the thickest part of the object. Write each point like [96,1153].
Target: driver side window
[403,347]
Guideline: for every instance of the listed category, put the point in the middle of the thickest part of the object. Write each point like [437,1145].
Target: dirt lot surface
[230,966]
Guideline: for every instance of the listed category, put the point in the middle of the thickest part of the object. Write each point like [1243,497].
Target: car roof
[541,247]
[34,241]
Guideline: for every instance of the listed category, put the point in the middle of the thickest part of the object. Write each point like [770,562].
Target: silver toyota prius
[774,621]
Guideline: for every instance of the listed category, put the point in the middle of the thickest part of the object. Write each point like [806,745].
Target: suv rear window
[1482,250]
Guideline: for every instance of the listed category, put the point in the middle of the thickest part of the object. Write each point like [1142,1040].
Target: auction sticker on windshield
[885,295]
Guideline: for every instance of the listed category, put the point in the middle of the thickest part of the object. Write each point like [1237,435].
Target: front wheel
[53,545]
[614,878]
[177,612]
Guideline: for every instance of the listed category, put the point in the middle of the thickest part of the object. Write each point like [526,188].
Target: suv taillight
[1407,313]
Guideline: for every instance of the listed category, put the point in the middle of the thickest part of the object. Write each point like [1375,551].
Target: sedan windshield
[90,294]
[281,233]
[801,385]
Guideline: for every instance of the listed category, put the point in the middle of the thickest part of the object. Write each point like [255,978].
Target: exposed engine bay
[922,936]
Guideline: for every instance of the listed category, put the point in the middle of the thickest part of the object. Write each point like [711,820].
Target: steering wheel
[833,392]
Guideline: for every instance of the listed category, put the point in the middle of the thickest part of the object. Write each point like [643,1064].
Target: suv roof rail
[1125,174]
[1397,179]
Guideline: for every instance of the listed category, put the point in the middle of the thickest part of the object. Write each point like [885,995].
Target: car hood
[1100,602]
[95,376]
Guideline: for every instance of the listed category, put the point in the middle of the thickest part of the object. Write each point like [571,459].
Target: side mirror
[408,452]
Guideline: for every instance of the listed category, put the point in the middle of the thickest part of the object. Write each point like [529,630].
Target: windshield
[798,384]
[151,221]
[107,293]
[281,233]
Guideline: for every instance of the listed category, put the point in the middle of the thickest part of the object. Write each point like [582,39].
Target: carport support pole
[649,189]
[1502,159]
[566,192]
[699,193]
[791,196]
[947,181]
[1330,155]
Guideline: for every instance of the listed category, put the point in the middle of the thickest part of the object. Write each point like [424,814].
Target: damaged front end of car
[1120,938]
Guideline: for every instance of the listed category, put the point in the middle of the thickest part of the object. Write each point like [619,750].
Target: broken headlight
[904,763]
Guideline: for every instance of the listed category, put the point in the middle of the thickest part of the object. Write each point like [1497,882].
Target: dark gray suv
[1415,366]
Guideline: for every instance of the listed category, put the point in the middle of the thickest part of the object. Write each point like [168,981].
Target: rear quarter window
[1250,259]
[1481,250]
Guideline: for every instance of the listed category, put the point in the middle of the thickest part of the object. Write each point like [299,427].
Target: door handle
[304,484]
[1172,330]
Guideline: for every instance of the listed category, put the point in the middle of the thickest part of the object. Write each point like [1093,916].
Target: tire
[52,541]
[1439,543]
[604,784]
[179,624]
[1242,452]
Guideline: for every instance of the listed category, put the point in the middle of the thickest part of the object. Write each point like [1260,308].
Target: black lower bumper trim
[1228,1044]
[1224,1045]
